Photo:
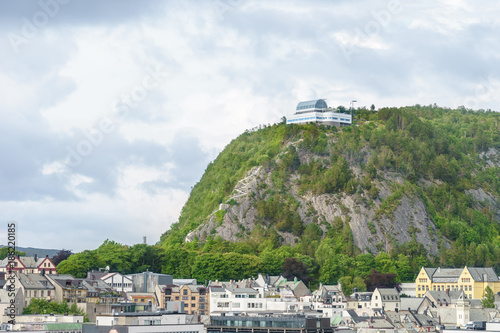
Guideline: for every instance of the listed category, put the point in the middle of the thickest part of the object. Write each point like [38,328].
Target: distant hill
[31,251]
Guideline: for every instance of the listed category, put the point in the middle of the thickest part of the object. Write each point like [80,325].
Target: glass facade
[233,324]
[314,104]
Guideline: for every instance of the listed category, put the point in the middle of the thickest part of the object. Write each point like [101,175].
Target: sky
[110,110]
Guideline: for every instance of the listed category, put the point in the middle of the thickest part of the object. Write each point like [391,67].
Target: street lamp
[352,107]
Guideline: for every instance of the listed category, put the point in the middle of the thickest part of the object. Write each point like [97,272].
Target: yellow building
[472,280]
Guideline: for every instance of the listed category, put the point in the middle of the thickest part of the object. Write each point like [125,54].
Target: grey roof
[486,274]
[28,262]
[97,285]
[35,281]
[411,303]
[443,297]
[217,289]
[388,292]
[243,290]
[479,314]
[331,288]
[185,281]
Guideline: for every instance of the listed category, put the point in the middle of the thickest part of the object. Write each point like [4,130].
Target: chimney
[36,257]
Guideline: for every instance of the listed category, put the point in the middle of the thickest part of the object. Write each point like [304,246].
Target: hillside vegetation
[408,187]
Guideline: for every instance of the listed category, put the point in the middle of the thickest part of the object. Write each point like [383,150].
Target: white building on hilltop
[317,111]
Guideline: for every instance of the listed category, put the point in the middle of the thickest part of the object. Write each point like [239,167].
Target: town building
[386,299]
[11,302]
[317,111]
[329,300]
[454,308]
[360,300]
[146,282]
[28,265]
[194,297]
[269,323]
[51,323]
[68,288]
[35,286]
[146,322]
[118,282]
[472,280]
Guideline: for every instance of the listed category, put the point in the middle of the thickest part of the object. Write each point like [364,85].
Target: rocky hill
[424,177]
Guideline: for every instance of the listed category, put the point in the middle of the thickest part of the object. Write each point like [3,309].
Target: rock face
[372,230]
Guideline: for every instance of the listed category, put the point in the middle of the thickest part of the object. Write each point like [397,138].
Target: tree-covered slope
[422,177]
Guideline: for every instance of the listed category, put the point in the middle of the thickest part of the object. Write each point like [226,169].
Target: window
[434,287]
[185,292]
[176,298]
[193,298]
[41,293]
[193,305]
[185,298]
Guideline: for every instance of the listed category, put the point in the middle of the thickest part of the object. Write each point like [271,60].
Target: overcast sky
[110,110]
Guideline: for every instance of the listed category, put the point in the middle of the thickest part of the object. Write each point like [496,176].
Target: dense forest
[441,155]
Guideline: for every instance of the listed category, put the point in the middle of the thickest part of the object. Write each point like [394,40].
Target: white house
[118,282]
[386,299]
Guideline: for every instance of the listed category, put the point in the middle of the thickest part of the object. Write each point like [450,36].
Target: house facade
[194,297]
[330,300]
[35,286]
[28,265]
[386,299]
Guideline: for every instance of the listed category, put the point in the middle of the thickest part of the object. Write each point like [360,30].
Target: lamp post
[352,107]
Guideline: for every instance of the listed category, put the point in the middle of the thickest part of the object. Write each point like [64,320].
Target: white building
[118,282]
[249,300]
[152,322]
[386,299]
[317,111]
[330,301]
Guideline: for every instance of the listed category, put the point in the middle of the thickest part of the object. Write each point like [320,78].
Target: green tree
[488,300]
[4,251]
[40,305]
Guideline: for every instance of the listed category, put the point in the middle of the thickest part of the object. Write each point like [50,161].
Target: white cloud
[224,69]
